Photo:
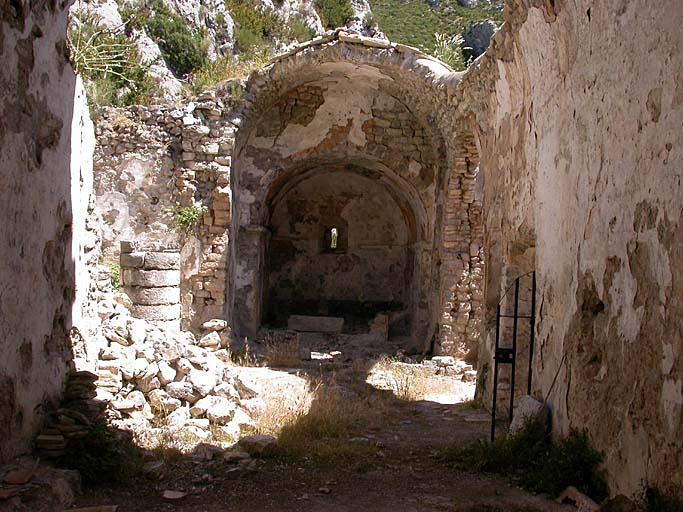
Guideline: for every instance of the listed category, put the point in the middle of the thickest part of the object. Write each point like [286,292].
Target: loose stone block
[133,259]
[147,246]
[162,261]
[215,324]
[152,313]
[527,409]
[305,323]
[151,278]
[155,296]
[211,149]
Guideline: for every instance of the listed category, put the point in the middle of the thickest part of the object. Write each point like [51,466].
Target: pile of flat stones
[146,373]
[77,412]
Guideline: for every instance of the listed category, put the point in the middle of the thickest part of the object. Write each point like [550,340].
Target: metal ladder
[508,354]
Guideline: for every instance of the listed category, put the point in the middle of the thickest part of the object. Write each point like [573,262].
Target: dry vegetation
[325,415]
[334,415]
[409,382]
[281,409]
[321,421]
[282,354]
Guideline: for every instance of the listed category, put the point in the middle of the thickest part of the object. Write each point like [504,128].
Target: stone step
[304,323]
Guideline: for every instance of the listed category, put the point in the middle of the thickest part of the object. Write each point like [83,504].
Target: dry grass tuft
[281,410]
[282,353]
[408,382]
[325,429]
[244,357]
[320,421]
[332,413]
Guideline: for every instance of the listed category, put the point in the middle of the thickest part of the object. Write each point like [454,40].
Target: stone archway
[369,267]
[381,113]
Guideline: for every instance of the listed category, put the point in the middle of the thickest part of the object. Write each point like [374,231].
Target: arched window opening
[331,239]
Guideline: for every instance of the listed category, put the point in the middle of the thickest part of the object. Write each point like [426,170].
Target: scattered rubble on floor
[439,379]
[258,445]
[151,377]
[528,409]
[582,502]
[28,485]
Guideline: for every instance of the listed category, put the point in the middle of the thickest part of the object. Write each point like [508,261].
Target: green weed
[115,269]
[334,13]
[415,23]
[188,217]
[184,50]
[536,462]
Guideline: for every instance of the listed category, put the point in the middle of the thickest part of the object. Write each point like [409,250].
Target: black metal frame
[508,355]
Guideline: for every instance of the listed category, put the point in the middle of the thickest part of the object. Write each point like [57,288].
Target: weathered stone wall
[461,255]
[150,163]
[378,107]
[45,147]
[371,264]
[150,274]
[577,109]
[382,108]
[135,175]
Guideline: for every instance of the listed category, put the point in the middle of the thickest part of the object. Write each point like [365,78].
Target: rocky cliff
[151,51]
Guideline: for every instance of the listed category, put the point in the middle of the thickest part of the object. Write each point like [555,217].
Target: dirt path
[390,466]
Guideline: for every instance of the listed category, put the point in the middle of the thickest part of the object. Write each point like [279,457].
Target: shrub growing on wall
[183,49]
[448,49]
[255,26]
[334,13]
[188,217]
[109,63]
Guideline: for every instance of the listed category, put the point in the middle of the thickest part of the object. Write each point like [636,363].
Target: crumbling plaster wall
[375,105]
[578,110]
[346,118]
[151,161]
[134,176]
[372,263]
[46,144]
[389,109]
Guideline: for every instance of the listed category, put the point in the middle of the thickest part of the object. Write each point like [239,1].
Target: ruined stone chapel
[360,179]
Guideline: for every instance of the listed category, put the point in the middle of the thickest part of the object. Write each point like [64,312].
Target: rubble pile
[151,377]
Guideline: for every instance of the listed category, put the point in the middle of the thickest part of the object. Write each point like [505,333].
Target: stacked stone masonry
[150,163]
[462,257]
[183,157]
[150,275]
